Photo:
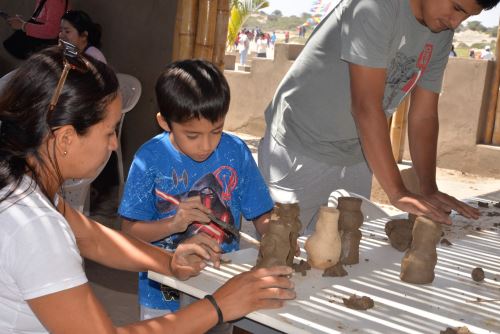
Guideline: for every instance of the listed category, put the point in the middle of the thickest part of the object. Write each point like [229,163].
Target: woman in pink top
[47,21]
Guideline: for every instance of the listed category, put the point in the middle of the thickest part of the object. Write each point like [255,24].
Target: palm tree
[240,11]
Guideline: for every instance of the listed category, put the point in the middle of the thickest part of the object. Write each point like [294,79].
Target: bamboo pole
[496,84]
[188,13]
[492,128]
[175,43]
[205,33]
[221,33]
[398,129]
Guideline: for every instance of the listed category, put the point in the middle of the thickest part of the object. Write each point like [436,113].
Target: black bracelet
[211,299]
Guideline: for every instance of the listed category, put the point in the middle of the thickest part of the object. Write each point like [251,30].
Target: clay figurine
[274,246]
[350,220]
[419,261]
[288,214]
[323,246]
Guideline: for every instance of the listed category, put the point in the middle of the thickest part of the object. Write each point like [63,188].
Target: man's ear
[161,122]
[65,137]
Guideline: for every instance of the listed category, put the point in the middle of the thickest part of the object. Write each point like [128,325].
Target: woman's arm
[245,293]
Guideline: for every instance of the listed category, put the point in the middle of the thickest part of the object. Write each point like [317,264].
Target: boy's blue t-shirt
[228,182]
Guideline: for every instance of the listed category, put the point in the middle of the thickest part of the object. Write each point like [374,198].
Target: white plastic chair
[131,89]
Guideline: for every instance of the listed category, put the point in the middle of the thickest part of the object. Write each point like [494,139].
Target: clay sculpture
[399,232]
[288,214]
[419,261]
[350,220]
[274,246]
[323,246]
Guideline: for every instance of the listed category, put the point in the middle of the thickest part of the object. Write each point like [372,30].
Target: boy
[190,170]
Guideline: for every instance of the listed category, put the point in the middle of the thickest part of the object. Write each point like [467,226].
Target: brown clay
[274,246]
[497,205]
[301,267]
[323,246]
[399,232]
[458,330]
[350,220]
[482,204]
[419,261]
[289,214]
[335,271]
[477,274]
[359,303]
[446,242]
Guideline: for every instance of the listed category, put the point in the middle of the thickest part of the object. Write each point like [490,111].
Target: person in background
[287,36]
[452,51]
[243,46]
[58,116]
[43,26]
[486,54]
[189,171]
[78,28]
[262,46]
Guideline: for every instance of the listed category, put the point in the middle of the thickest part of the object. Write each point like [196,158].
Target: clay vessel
[323,246]
[350,220]
[288,214]
[419,261]
[274,246]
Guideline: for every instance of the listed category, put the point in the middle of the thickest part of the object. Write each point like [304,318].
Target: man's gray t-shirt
[311,110]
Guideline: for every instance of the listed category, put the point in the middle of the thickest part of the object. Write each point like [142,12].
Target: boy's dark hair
[487,4]
[190,89]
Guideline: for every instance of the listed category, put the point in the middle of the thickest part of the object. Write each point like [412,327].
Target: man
[327,123]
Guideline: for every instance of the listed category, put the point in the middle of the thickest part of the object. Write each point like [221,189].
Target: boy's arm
[116,250]
[188,211]
[261,223]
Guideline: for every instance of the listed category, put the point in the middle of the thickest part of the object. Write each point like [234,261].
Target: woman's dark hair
[190,89]
[82,22]
[25,122]
[487,4]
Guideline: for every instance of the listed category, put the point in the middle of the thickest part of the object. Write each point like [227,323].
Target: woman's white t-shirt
[38,256]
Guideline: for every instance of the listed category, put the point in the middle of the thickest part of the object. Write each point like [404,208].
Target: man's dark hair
[487,4]
[190,89]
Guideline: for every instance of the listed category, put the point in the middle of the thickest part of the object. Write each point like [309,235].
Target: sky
[488,18]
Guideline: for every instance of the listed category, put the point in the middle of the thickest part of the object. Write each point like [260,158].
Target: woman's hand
[192,256]
[264,288]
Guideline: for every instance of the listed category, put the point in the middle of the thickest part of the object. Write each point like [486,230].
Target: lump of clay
[323,246]
[350,220]
[458,330]
[399,232]
[446,242]
[477,274]
[359,303]
[482,204]
[301,267]
[335,271]
[418,264]
[274,246]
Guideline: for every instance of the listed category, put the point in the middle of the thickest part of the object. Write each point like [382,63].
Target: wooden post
[175,43]
[187,15]
[205,33]
[398,129]
[221,33]
[494,104]
[492,128]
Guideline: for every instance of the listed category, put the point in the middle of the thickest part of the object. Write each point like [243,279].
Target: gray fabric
[311,110]
[295,178]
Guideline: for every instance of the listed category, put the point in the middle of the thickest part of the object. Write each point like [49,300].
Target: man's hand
[189,211]
[447,203]
[192,256]
[15,22]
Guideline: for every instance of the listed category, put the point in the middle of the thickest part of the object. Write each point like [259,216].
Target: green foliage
[240,11]
[476,26]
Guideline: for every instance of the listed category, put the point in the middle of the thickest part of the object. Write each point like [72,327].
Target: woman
[60,126]
[78,29]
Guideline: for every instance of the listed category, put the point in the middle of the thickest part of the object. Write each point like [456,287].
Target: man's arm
[367,93]
[423,128]
[261,223]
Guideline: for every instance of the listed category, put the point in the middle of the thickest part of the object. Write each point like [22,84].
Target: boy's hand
[192,256]
[189,211]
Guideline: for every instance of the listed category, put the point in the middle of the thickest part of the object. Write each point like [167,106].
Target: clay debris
[497,205]
[458,330]
[482,204]
[301,267]
[446,242]
[359,303]
[399,232]
[477,274]
[335,271]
